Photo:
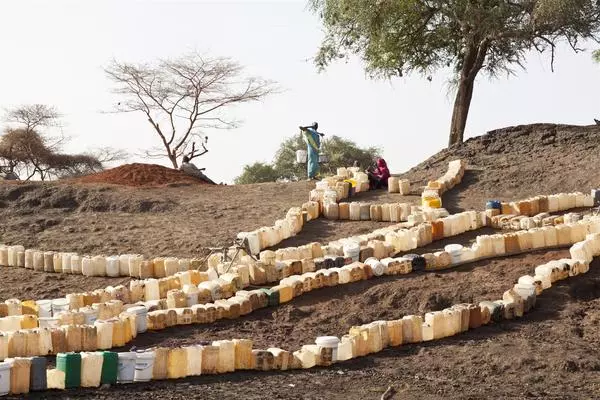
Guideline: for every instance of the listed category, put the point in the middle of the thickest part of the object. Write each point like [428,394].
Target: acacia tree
[182,96]
[422,36]
[33,116]
[28,153]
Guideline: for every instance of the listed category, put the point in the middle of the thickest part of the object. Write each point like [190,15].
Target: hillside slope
[519,161]
[550,352]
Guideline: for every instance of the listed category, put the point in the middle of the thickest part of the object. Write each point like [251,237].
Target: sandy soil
[550,353]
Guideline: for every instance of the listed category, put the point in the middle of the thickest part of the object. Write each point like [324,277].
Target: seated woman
[378,178]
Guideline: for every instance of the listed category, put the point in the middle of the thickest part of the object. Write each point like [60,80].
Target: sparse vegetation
[341,153]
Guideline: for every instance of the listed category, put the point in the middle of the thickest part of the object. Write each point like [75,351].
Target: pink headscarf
[382,171]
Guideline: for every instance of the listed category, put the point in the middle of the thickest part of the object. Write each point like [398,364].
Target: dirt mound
[140,175]
[518,161]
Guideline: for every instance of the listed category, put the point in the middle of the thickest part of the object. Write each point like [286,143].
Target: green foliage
[257,173]
[400,37]
[396,37]
[596,56]
[341,152]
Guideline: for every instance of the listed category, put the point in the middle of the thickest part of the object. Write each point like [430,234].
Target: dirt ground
[550,353]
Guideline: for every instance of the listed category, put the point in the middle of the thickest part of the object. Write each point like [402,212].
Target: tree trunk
[460,112]
[173,159]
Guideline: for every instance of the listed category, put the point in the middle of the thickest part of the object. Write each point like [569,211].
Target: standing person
[313,144]
[378,177]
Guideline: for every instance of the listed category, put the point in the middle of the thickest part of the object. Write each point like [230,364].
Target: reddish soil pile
[140,175]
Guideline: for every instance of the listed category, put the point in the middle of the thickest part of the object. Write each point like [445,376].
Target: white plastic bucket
[301,156]
[144,364]
[141,314]
[126,367]
[4,378]
[329,342]
[376,266]
[352,250]
[59,305]
[455,251]
[45,308]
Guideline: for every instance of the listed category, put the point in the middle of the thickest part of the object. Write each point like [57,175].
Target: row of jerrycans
[373,337]
[107,334]
[122,265]
[551,203]
[243,303]
[216,357]
[536,238]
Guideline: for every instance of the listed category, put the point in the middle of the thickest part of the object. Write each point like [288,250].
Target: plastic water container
[91,369]
[404,185]
[87,266]
[352,250]
[376,266]
[70,364]
[44,308]
[110,370]
[126,367]
[99,265]
[151,290]
[124,264]
[104,331]
[455,251]
[20,375]
[66,263]
[301,156]
[76,267]
[4,378]
[253,241]
[493,204]
[329,342]
[135,264]
[37,377]
[59,305]
[354,211]
[144,365]
[171,266]
[48,322]
[113,268]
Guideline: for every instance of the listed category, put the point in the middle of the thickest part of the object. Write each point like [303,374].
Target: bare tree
[108,154]
[181,96]
[32,116]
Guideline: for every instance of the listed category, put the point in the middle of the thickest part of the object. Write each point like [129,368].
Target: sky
[54,53]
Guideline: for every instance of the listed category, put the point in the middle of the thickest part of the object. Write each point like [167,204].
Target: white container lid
[147,354]
[60,302]
[327,341]
[130,355]
[138,310]
[451,248]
